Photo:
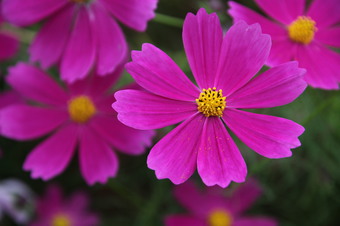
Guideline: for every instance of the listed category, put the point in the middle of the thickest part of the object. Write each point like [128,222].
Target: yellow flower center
[302,30]
[220,218]
[211,102]
[61,220]
[81,109]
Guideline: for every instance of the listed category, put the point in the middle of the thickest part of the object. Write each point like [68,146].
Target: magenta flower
[223,68]
[8,42]
[80,34]
[55,210]
[300,34]
[79,115]
[213,208]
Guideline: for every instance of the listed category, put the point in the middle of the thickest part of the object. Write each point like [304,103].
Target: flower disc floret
[81,109]
[219,218]
[61,220]
[302,30]
[211,102]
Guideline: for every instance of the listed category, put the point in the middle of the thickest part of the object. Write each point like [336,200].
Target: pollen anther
[81,109]
[302,30]
[211,102]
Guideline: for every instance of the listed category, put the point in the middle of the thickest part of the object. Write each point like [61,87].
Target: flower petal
[184,220]
[270,136]
[202,39]
[143,110]
[175,155]
[50,42]
[219,161]
[133,13]
[27,12]
[322,64]
[244,51]
[52,156]
[9,45]
[329,36]
[240,12]
[275,87]
[10,97]
[111,44]
[34,84]
[98,162]
[77,60]
[23,122]
[158,73]
[281,52]
[324,12]
[284,11]
[255,221]
[126,139]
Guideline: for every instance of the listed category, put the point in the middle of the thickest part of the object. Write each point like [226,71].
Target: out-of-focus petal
[324,12]
[158,73]
[202,39]
[133,13]
[143,110]
[219,161]
[270,136]
[184,220]
[244,51]
[8,45]
[10,97]
[52,156]
[275,87]
[175,155]
[255,221]
[329,36]
[281,52]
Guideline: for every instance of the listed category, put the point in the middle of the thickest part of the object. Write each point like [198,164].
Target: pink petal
[325,12]
[78,202]
[80,52]
[111,44]
[275,87]
[255,221]
[23,122]
[27,12]
[51,157]
[10,97]
[282,51]
[244,51]
[98,162]
[133,13]
[184,220]
[143,110]
[219,161]
[329,36]
[124,138]
[50,42]
[270,136]
[202,38]
[158,73]
[240,12]
[284,11]
[175,155]
[322,64]
[53,195]
[32,83]
[8,45]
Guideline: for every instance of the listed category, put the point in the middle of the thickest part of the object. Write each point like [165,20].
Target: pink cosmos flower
[79,116]
[301,34]
[8,42]
[213,208]
[224,69]
[80,34]
[55,210]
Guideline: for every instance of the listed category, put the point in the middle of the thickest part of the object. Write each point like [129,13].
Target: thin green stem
[168,20]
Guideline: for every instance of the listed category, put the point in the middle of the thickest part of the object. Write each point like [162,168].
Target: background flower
[9,44]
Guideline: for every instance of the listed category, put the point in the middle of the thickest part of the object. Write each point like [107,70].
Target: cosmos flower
[213,207]
[80,34]
[79,116]
[302,34]
[224,69]
[8,42]
[55,210]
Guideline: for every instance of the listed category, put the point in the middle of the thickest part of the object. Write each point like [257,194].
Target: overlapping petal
[255,221]
[202,39]
[219,161]
[325,12]
[281,52]
[143,110]
[8,45]
[270,136]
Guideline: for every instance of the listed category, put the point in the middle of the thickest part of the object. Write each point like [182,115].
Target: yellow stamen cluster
[211,102]
[302,30]
[61,220]
[81,109]
[219,218]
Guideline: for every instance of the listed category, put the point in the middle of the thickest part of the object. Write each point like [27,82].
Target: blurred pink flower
[213,208]
[55,210]
[300,34]
[79,115]
[224,68]
[80,34]
[9,44]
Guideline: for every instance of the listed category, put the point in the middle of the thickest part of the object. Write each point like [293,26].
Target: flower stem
[168,20]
